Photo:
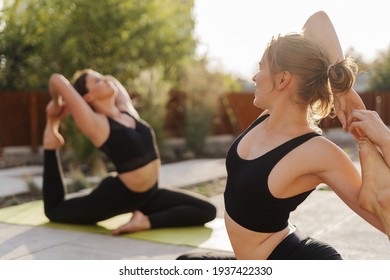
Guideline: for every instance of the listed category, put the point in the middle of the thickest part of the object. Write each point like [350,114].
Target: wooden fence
[22,118]
[242,112]
[378,101]
[22,115]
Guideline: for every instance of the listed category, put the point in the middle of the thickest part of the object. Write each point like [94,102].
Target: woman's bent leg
[53,182]
[170,208]
[375,192]
[110,198]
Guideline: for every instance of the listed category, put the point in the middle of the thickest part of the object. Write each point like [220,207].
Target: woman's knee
[210,212]
[52,216]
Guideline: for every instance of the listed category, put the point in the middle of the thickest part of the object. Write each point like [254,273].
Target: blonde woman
[276,163]
[281,158]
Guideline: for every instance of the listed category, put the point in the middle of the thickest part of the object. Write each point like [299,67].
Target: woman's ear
[283,79]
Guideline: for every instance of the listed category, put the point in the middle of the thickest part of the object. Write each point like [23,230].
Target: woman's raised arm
[85,118]
[320,28]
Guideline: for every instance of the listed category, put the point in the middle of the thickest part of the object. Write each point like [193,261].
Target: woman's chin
[256,103]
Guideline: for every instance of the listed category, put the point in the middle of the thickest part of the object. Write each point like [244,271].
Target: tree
[380,78]
[203,89]
[39,37]
[358,58]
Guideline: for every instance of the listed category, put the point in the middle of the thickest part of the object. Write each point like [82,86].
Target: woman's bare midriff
[252,245]
[143,178]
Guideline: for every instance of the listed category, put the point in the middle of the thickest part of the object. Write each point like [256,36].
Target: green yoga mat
[211,236]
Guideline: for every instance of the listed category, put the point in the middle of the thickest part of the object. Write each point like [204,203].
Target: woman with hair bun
[281,158]
[276,163]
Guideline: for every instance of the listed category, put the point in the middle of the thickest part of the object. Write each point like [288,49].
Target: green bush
[39,37]
[197,126]
[153,90]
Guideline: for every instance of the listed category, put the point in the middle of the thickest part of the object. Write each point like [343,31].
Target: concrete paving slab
[16,180]
[11,186]
[22,171]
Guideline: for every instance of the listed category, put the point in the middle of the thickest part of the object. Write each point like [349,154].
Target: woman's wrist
[385,143]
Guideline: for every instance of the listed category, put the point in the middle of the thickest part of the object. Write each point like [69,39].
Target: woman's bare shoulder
[323,144]
[327,155]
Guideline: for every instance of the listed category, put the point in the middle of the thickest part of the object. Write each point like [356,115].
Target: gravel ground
[8,160]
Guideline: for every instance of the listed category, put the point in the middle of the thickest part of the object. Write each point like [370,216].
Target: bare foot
[375,193]
[52,139]
[138,222]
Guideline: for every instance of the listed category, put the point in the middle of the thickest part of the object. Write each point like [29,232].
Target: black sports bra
[248,200]
[130,148]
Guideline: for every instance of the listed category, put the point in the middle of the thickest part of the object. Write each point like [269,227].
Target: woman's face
[264,83]
[99,86]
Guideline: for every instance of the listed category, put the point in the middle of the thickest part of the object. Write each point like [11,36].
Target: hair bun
[342,75]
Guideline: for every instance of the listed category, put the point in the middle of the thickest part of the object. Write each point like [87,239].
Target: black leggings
[165,208]
[296,246]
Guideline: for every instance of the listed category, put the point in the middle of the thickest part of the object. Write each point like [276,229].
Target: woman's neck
[107,107]
[287,119]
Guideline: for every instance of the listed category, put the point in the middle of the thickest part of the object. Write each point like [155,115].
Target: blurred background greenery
[147,45]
